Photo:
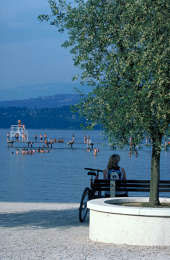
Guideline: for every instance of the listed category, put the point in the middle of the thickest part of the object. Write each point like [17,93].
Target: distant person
[95,151]
[23,151]
[8,136]
[46,142]
[23,137]
[73,138]
[51,142]
[130,154]
[85,139]
[19,123]
[17,136]
[89,143]
[71,142]
[130,143]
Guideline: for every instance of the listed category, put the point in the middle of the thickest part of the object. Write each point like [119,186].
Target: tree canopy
[122,49]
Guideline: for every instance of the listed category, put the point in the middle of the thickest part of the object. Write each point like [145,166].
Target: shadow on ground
[41,219]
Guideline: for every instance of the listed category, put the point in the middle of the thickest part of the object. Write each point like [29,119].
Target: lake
[59,176]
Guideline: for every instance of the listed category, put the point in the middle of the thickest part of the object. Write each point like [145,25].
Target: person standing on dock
[130,143]
[41,137]
[17,137]
[8,137]
[85,139]
[24,137]
[71,142]
[19,123]
[89,143]
[46,142]
[51,142]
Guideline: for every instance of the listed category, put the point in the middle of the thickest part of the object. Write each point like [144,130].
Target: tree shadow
[41,219]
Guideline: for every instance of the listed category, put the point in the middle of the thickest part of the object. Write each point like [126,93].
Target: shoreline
[52,231]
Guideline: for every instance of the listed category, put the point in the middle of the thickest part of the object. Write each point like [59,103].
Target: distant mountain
[51,112]
[54,101]
[44,118]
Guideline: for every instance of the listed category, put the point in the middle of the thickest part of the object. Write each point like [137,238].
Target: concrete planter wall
[112,223]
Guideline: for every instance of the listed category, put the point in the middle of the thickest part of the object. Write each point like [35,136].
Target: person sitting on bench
[117,172]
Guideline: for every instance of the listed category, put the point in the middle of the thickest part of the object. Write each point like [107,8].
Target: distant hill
[44,118]
[54,101]
[53,112]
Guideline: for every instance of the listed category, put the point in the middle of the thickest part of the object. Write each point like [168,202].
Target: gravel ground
[31,231]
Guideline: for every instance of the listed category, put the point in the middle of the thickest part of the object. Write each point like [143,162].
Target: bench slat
[164,181]
[94,170]
[147,181]
[98,181]
[101,181]
[130,190]
[140,189]
[133,189]
[137,181]
[133,185]
[124,185]
[143,185]
[100,185]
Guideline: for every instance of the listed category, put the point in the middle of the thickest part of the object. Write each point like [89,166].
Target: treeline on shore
[47,118]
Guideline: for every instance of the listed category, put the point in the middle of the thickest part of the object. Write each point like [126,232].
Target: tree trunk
[155,171]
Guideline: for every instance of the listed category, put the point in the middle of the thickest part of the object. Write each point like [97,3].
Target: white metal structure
[18,132]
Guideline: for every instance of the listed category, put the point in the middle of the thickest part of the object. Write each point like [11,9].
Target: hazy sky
[31,56]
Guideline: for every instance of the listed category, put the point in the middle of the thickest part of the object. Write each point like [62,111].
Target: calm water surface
[59,176]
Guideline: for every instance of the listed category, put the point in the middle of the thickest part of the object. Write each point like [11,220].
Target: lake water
[59,176]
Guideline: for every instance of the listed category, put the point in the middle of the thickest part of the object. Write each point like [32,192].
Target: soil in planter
[144,204]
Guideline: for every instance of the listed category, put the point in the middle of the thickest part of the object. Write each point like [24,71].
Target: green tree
[121,47]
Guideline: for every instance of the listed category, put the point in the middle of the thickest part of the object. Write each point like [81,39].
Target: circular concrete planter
[112,223]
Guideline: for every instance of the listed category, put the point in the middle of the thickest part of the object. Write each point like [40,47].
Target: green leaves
[122,48]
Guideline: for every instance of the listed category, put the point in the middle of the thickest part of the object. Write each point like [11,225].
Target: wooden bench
[100,188]
[133,186]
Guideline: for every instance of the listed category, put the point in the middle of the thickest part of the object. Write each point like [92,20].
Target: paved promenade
[32,231]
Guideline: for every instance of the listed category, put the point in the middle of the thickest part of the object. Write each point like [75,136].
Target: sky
[32,62]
